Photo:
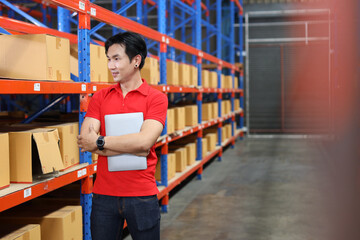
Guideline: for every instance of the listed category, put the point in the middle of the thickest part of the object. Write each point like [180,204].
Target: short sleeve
[157,108]
[94,106]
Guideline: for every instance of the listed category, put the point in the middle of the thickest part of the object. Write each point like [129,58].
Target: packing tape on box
[58,75]
[58,43]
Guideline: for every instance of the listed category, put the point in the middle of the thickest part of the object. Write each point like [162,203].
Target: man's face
[118,63]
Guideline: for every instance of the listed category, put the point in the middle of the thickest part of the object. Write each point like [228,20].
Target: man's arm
[137,143]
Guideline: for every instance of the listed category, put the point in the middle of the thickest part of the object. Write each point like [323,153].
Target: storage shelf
[180,177]
[19,193]
[12,86]
[190,130]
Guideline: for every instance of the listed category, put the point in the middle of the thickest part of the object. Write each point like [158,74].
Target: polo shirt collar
[143,89]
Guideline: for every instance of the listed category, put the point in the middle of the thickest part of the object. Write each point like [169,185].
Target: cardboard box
[35,57]
[150,71]
[190,153]
[228,82]
[184,74]
[222,81]
[62,224]
[228,106]
[171,166]
[20,232]
[229,134]
[207,112]
[94,157]
[213,79]
[69,150]
[99,71]
[236,82]
[236,104]
[191,113]
[33,153]
[180,159]
[223,134]
[172,73]
[4,161]
[205,78]
[211,140]
[193,76]
[170,120]
[179,118]
[215,110]
[204,147]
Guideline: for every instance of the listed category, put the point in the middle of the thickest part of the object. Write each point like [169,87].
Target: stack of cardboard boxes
[209,111]
[43,220]
[30,152]
[150,71]
[35,56]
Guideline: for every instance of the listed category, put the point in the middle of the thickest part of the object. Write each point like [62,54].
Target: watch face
[100,142]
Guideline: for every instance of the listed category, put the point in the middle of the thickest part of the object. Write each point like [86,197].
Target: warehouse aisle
[263,189]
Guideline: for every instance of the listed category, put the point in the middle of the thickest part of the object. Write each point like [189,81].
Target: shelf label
[168,88]
[81,172]
[94,88]
[180,89]
[95,168]
[83,87]
[82,5]
[93,11]
[167,41]
[37,87]
[169,139]
[181,134]
[27,192]
[164,88]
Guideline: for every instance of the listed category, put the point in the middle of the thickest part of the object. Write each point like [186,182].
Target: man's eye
[116,59]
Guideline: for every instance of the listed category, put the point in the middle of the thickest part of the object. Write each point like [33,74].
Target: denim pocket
[147,212]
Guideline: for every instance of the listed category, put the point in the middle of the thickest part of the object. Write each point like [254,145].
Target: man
[125,195]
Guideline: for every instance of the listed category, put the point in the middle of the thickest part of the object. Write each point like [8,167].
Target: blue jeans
[142,215]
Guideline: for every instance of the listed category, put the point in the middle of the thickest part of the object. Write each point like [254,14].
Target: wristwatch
[100,142]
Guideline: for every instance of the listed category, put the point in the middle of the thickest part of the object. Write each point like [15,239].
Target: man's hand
[87,140]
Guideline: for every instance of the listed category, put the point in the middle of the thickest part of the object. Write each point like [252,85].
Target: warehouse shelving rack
[87,10]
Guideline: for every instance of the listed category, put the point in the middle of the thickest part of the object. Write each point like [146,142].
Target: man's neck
[132,84]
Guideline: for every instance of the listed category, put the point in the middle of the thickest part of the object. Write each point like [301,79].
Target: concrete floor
[263,189]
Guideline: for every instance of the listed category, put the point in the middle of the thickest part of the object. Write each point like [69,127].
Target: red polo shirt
[153,104]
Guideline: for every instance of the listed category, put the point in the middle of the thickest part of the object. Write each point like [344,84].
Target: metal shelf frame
[178,13]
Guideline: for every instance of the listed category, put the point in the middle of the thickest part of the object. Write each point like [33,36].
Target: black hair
[134,44]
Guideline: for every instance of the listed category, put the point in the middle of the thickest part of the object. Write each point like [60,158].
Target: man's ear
[137,60]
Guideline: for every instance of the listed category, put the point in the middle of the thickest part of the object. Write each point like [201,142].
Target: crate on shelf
[150,71]
[190,153]
[180,158]
[193,76]
[172,71]
[20,231]
[56,223]
[207,111]
[170,118]
[179,118]
[213,79]
[184,74]
[191,113]
[171,167]
[69,150]
[35,57]
[99,71]
[205,74]
[33,153]
[4,161]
